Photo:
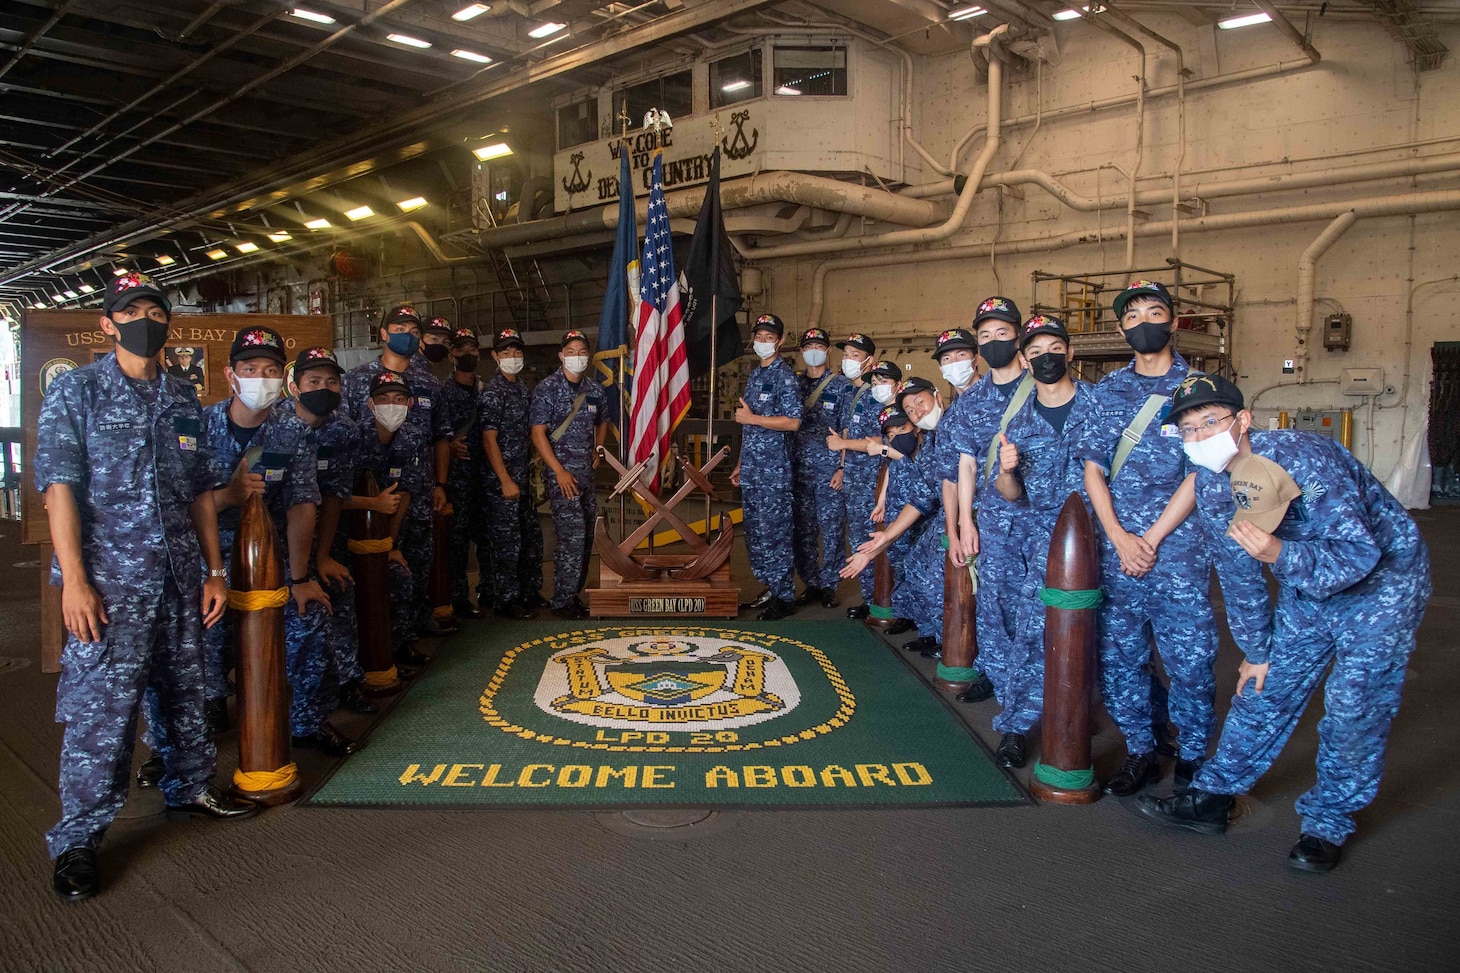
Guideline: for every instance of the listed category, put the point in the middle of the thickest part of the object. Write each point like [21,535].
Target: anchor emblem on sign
[739,146]
[579,181]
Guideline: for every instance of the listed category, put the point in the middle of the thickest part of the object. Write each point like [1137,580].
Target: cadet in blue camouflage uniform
[126,477]
[895,450]
[464,487]
[569,423]
[856,422]
[1352,580]
[818,511]
[769,413]
[1148,595]
[514,532]
[974,420]
[1038,469]
[400,333]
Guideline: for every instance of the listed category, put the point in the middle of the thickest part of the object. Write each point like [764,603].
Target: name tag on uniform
[765,391]
[423,400]
[188,431]
[322,465]
[273,475]
[1169,431]
[394,473]
[829,406]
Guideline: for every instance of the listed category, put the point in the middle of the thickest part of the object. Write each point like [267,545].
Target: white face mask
[259,393]
[576,364]
[929,422]
[392,417]
[958,373]
[851,368]
[884,393]
[813,357]
[1213,454]
[511,366]
[764,349]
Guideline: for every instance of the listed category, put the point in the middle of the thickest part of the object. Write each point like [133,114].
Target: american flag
[661,366]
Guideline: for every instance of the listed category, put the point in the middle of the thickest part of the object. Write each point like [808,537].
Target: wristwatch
[302,580]
[218,573]
[884,449]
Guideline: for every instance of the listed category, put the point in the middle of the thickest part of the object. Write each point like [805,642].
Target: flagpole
[623,397]
[714,348]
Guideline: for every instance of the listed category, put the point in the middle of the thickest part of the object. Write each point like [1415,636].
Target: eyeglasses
[1202,429]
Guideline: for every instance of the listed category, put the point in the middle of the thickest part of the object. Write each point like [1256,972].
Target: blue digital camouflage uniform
[901,475]
[857,419]
[134,456]
[818,512]
[573,517]
[514,532]
[1353,578]
[920,594]
[428,425]
[765,477]
[336,449]
[464,488]
[1171,603]
[971,424]
[402,460]
[1050,471]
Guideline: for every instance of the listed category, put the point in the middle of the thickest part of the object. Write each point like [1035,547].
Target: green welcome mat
[721,715]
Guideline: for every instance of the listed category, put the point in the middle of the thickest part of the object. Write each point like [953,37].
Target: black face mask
[435,353]
[1048,368]
[999,353]
[321,402]
[905,443]
[467,363]
[1148,338]
[143,337]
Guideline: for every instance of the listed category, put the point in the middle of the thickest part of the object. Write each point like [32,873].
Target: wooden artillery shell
[438,588]
[1069,656]
[372,591]
[881,592]
[960,642]
[263,690]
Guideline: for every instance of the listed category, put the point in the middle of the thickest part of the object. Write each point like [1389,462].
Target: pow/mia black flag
[709,270]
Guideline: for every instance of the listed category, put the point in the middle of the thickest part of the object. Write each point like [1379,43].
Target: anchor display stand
[692,584]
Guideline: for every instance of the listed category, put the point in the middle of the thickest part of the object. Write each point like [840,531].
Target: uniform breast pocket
[187,429]
[323,456]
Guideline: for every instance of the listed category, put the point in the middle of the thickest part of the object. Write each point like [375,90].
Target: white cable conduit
[1399,205]
[1307,273]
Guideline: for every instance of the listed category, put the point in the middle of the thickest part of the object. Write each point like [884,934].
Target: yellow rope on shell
[388,677]
[382,546]
[265,780]
[255,601]
[442,611]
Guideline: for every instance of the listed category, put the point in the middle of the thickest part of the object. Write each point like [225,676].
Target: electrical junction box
[1362,381]
[1337,332]
[1327,423]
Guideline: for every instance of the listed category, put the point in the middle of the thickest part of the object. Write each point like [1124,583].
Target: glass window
[811,70]
[673,93]
[578,123]
[735,79]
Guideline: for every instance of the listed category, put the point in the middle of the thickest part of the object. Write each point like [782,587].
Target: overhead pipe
[1307,273]
[1283,24]
[30,41]
[1130,206]
[1398,205]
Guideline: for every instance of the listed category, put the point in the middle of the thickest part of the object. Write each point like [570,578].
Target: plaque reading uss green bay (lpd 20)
[812,713]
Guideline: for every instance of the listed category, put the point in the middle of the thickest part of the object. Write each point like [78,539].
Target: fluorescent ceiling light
[784,90]
[246,247]
[471,10]
[472,56]
[359,212]
[494,151]
[545,30]
[87,288]
[218,254]
[414,203]
[967,13]
[1245,21]
[740,85]
[165,260]
[280,236]
[319,224]
[1066,15]
[408,40]
[318,18]
[119,271]
[40,305]
[71,293]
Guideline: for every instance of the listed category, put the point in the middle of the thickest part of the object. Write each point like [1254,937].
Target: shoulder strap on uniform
[820,387]
[1016,402]
[1134,432]
[572,414]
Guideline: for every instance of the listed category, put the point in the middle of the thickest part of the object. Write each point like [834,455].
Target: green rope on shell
[1072,600]
[1073,780]
[957,673]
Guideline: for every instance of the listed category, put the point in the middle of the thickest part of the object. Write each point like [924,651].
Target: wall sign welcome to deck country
[592,170]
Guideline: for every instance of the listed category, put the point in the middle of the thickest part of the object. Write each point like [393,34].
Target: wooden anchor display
[635,585]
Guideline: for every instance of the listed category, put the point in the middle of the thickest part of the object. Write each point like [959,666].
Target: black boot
[759,601]
[1192,810]
[215,712]
[810,594]
[1165,740]
[212,803]
[899,626]
[407,655]
[1138,770]
[1314,854]
[1186,771]
[327,740]
[150,772]
[934,651]
[829,598]
[352,699]
[465,609]
[919,644]
[75,876]
[1011,750]
[858,611]
[776,610]
[981,689]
